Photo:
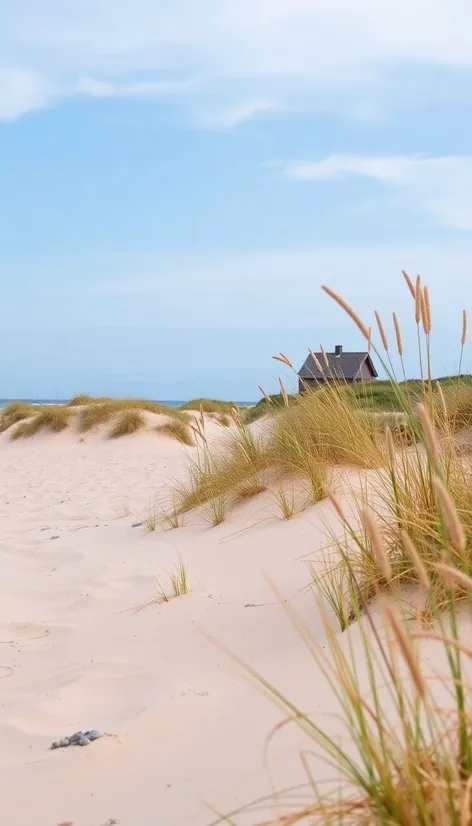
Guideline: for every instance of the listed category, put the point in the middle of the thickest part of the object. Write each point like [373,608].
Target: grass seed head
[376,541]
[381,330]
[398,335]
[451,519]
[410,284]
[349,310]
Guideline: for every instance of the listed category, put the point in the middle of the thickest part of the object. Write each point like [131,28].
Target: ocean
[168,403]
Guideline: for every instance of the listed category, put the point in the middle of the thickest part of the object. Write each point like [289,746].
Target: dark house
[350,367]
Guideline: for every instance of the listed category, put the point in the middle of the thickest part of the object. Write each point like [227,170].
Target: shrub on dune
[177,430]
[15,412]
[127,422]
[54,418]
[93,415]
[100,410]
[77,401]
[403,754]
[221,468]
[209,406]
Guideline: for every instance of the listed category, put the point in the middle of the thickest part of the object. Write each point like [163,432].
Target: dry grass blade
[427,311]
[284,359]
[404,642]
[418,299]
[410,284]
[416,560]
[377,545]
[429,433]
[329,493]
[390,447]
[381,330]
[283,392]
[398,335]
[451,519]
[264,394]
[349,310]
[325,357]
[316,361]
[177,587]
[285,502]
[464,327]
[452,576]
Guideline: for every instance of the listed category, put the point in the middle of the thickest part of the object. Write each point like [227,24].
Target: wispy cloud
[439,186]
[242,112]
[23,91]
[54,44]
[95,88]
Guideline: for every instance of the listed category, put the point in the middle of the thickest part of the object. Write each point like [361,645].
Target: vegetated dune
[109,418]
[121,612]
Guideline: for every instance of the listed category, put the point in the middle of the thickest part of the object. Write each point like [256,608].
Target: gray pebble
[53,537]
[92,735]
[76,737]
[61,744]
[84,741]
[137,524]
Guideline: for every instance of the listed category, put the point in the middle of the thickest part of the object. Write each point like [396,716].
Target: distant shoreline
[167,403]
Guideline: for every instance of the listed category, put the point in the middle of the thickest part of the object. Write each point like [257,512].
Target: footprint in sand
[16,632]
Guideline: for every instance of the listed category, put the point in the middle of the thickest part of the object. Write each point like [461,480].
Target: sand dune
[184,725]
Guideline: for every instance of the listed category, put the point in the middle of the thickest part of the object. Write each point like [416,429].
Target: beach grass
[177,429]
[99,411]
[127,422]
[15,412]
[177,585]
[79,400]
[303,437]
[209,406]
[54,418]
[403,755]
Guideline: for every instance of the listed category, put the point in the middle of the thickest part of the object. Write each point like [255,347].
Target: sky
[179,179]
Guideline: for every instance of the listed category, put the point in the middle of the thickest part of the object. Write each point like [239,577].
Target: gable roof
[346,366]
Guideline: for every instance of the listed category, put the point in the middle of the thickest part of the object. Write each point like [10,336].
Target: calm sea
[168,403]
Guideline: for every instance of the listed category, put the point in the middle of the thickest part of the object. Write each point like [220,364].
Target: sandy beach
[185,727]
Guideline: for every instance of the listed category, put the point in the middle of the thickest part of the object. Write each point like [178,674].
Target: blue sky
[179,179]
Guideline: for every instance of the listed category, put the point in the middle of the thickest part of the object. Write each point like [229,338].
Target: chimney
[338,350]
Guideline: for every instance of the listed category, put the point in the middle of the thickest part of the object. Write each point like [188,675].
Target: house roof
[346,366]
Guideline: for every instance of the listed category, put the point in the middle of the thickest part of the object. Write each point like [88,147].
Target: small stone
[93,734]
[137,524]
[53,537]
[64,743]
[76,737]
[54,745]
[84,741]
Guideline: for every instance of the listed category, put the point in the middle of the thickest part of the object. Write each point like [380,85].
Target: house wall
[365,373]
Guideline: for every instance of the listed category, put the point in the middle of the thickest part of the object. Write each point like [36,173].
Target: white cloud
[144,89]
[440,186]
[324,41]
[22,91]
[241,112]
[204,291]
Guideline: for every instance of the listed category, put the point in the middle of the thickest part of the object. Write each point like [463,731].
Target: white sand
[186,725]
